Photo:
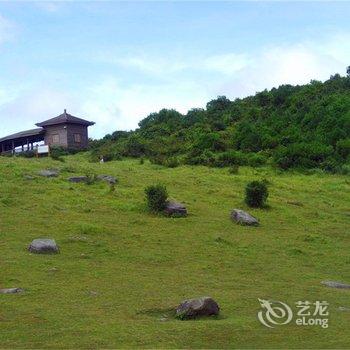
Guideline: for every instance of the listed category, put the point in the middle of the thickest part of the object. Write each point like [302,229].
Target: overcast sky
[116,62]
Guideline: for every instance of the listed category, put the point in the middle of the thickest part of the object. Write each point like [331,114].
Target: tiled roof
[22,134]
[63,119]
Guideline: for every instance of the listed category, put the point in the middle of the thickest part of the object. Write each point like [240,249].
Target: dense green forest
[304,126]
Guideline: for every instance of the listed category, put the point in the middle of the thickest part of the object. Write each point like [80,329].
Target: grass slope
[120,269]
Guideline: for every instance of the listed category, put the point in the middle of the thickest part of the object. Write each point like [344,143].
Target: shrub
[172,162]
[302,155]
[205,158]
[233,169]
[56,152]
[230,158]
[156,196]
[256,159]
[27,154]
[343,148]
[256,194]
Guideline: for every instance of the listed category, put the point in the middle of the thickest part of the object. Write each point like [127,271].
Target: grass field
[120,268]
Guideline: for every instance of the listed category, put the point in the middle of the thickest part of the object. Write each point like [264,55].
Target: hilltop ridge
[306,126]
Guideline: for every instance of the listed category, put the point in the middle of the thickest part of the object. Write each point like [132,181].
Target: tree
[348,71]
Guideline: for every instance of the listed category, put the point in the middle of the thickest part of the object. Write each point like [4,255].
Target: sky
[116,62]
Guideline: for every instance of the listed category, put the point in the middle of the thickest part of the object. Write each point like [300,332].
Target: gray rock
[243,218]
[28,177]
[108,178]
[43,246]
[175,209]
[11,290]
[335,284]
[193,308]
[77,179]
[49,173]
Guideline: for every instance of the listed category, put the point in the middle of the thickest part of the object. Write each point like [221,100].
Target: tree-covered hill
[304,126]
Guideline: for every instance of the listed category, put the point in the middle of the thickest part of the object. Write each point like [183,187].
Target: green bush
[302,155]
[56,152]
[27,154]
[230,158]
[172,162]
[256,194]
[205,158]
[233,170]
[156,196]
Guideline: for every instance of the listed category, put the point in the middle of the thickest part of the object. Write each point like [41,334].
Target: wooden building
[65,130]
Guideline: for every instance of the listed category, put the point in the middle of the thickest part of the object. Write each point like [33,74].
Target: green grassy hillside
[303,127]
[120,268]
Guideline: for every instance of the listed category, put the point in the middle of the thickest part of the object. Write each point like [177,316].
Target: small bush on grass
[156,196]
[256,194]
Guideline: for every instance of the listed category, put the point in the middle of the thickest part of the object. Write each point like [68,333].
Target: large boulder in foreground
[49,173]
[335,284]
[11,290]
[243,218]
[193,308]
[43,246]
[173,208]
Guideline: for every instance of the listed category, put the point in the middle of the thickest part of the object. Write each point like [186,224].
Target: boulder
[175,209]
[11,290]
[108,178]
[77,179]
[243,218]
[335,284]
[49,173]
[193,308]
[43,246]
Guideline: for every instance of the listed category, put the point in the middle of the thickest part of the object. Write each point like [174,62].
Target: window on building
[55,138]
[77,138]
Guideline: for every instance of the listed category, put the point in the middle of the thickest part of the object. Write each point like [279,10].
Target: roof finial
[65,111]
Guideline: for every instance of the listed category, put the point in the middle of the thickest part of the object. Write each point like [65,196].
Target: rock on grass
[243,218]
[335,284]
[77,179]
[11,290]
[49,173]
[176,209]
[194,308]
[108,178]
[43,246]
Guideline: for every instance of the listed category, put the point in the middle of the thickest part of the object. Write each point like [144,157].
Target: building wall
[66,135]
[76,129]
[51,132]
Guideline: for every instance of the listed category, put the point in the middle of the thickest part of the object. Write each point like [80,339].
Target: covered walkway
[24,139]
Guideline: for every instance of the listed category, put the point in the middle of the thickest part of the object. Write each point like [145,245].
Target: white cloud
[228,64]
[33,106]
[175,83]
[116,107]
[288,64]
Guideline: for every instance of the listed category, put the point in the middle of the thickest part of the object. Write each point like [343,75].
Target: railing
[38,150]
